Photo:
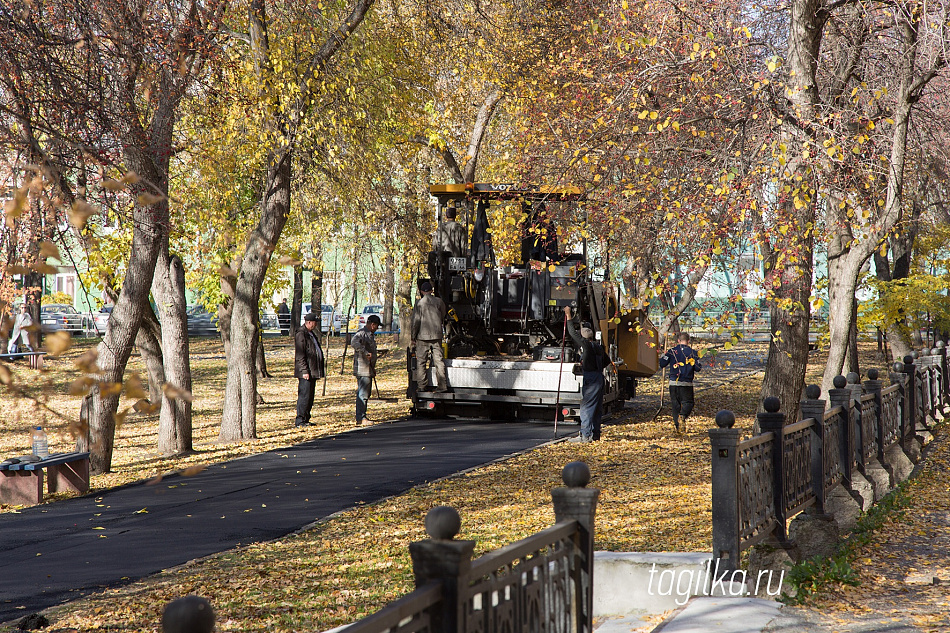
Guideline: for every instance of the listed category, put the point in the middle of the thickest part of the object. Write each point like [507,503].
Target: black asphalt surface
[60,551]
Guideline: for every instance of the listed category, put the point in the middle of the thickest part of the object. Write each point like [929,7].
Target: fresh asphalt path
[57,552]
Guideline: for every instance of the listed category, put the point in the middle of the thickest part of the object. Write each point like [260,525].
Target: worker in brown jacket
[426,338]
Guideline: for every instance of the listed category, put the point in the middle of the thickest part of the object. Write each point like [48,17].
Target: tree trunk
[388,288]
[228,279]
[901,246]
[174,426]
[261,362]
[296,304]
[843,272]
[689,293]
[859,251]
[851,361]
[789,261]
[404,298]
[239,418]
[316,279]
[116,345]
[148,342]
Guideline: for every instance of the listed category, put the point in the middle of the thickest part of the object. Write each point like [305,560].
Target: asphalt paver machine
[507,355]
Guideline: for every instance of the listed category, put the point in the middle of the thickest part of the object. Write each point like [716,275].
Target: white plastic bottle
[40,443]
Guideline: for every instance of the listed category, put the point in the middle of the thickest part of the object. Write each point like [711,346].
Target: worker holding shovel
[364,364]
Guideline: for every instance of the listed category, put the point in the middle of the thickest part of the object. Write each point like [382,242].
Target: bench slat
[53,460]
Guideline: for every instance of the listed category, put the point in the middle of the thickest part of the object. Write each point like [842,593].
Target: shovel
[380,398]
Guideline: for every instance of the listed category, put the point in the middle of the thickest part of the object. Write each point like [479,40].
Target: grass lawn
[655,497]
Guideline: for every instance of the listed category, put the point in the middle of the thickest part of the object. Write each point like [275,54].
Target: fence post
[189,614]
[938,360]
[445,560]
[857,423]
[910,420]
[874,386]
[773,421]
[575,502]
[841,397]
[941,351]
[724,441]
[814,408]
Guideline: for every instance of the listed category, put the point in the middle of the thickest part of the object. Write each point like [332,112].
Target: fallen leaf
[79,213]
[58,342]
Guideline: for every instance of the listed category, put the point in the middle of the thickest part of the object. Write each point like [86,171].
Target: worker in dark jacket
[683,363]
[308,367]
[593,361]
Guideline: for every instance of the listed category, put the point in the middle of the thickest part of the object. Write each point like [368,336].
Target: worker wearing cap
[364,364]
[308,367]
[593,360]
[426,338]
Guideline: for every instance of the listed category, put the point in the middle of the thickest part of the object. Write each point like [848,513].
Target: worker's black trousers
[305,393]
[681,400]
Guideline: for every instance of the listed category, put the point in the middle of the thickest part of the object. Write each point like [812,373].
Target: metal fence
[761,482]
[541,584]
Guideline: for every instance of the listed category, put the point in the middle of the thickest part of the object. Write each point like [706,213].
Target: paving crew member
[450,236]
[683,362]
[364,364]
[309,365]
[593,361]
[426,338]
[283,317]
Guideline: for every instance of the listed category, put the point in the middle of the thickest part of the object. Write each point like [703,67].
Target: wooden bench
[22,484]
[36,358]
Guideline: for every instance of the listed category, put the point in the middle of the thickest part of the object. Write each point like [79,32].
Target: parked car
[378,311]
[55,317]
[101,319]
[328,315]
[201,322]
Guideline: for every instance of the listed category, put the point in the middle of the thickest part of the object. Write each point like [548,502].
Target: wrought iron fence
[890,420]
[756,511]
[831,471]
[760,483]
[541,584]
[867,424]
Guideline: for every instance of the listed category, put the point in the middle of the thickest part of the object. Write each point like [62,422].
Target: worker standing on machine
[427,318]
[448,241]
[450,236]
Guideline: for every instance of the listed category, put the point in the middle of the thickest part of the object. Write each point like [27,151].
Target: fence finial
[812,392]
[941,344]
[909,359]
[725,419]
[873,374]
[898,366]
[190,614]
[575,474]
[853,377]
[839,382]
[443,523]
[772,404]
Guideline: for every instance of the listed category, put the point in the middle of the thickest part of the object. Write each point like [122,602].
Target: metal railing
[540,584]
[760,483]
